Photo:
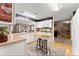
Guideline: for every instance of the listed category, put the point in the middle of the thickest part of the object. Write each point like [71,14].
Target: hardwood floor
[68,48]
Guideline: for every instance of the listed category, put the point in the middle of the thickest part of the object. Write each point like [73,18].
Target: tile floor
[31,50]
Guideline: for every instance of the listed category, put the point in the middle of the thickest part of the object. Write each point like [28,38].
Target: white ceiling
[39,8]
[43,10]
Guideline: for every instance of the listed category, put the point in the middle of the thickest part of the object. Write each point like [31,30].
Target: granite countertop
[12,38]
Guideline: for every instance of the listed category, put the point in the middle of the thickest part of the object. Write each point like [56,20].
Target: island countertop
[12,38]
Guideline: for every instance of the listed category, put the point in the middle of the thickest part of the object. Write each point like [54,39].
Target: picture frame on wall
[6,12]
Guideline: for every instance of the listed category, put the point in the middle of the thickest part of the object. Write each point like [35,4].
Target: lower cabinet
[28,36]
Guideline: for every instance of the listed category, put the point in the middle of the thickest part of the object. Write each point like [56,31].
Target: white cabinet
[46,23]
[28,36]
[39,24]
[13,49]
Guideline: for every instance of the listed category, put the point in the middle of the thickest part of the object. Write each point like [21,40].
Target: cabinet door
[30,38]
[13,49]
[48,23]
[38,24]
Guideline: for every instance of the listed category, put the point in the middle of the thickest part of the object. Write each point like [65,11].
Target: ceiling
[43,10]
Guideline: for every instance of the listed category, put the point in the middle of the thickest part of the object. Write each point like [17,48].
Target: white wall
[75,33]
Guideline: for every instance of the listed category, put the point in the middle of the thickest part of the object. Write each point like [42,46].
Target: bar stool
[39,43]
[45,48]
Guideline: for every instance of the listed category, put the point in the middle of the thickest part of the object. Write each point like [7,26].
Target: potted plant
[3,34]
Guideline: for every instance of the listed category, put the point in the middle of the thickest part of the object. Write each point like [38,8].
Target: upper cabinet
[46,23]
[38,24]
[20,18]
